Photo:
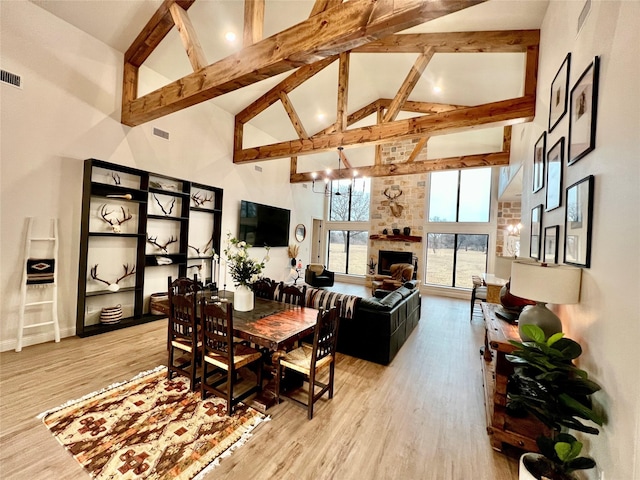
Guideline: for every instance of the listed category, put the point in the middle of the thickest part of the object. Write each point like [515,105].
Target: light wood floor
[422,417]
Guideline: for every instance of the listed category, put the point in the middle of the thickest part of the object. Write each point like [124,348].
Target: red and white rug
[150,428]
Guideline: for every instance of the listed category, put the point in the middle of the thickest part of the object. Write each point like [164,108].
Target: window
[458,228]
[460,195]
[348,226]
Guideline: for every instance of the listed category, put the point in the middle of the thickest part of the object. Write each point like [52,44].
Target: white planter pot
[243,299]
[523,473]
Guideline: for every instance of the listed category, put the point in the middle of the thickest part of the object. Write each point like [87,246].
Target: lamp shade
[557,284]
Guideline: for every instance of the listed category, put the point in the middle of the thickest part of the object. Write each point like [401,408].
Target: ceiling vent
[11,79]
[160,133]
[583,15]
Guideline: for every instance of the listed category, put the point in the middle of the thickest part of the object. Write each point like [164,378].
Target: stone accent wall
[509,213]
[413,189]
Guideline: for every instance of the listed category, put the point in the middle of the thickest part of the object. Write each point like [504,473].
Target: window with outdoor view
[458,226]
[348,226]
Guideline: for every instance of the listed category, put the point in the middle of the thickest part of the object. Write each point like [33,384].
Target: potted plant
[244,271]
[547,384]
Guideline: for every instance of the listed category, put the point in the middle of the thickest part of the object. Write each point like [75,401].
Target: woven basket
[155,305]
[110,315]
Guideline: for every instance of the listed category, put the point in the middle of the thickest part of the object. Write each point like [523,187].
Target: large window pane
[453,258]
[475,195]
[357,258]
[443,199]
[349,200]
[471,258]
[348,252]
[440,248]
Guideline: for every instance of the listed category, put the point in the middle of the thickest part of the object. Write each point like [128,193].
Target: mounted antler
[154,241]
[116,178]
[203,250]
[113,287]
[173,202]
[396,208]
[115,222]
[199,200]
[127,273]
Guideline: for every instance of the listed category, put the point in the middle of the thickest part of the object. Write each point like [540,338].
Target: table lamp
[544,283]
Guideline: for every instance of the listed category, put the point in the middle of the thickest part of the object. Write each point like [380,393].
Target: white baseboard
[35,339]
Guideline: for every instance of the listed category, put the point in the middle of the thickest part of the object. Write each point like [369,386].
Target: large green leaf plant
[547,384]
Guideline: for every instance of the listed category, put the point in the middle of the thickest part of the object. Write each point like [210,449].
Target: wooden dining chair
[183,329]
[292,294]
[265,288]
[310,360]
[226,357]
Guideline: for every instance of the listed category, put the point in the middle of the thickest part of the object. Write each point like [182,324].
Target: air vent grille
[160,133]
[11,79]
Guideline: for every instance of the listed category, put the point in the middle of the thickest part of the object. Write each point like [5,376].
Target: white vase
[523,473]
[243,299]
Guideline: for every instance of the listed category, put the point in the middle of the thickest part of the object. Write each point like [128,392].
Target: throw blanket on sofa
[319,298]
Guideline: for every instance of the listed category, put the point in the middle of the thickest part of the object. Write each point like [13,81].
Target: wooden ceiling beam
[293,116]
[253,22]
[188,36]
[505,112]
[421,107]
[287,85]
[497,159]
[343,92]
[507,41]
[418,148]
[153,32]
[336,30]
[408,85]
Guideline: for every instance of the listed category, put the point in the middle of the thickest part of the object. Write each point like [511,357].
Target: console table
[502,428]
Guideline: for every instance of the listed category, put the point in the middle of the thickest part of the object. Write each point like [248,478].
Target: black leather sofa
[380,325]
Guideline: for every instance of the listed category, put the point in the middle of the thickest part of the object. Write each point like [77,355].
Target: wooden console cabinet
[502,428]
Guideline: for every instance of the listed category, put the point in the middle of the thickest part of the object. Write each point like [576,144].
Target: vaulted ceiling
[417,83]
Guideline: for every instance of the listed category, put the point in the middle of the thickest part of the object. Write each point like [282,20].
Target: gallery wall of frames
[574,137]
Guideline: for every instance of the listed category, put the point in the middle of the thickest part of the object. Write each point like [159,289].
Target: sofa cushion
[411,284]
[404,291]
[391,300]
[373,303]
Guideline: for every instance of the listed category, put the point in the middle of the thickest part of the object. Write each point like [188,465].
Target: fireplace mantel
[396,238]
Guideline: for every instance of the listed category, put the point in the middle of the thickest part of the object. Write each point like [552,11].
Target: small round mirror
[301,232]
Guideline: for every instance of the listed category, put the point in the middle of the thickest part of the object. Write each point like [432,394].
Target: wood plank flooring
[422,417]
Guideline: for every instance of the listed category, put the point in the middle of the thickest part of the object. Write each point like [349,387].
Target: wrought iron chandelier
[330,176]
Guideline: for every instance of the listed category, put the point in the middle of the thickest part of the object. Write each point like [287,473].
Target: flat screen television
[263,225]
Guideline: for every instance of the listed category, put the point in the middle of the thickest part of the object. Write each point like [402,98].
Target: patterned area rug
[150,428]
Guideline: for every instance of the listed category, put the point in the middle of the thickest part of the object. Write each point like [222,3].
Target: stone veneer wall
[412,199]
[509,213]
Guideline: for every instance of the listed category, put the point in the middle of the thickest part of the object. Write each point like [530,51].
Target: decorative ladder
[39,273]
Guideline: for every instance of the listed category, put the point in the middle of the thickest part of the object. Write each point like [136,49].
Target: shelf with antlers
[137,229]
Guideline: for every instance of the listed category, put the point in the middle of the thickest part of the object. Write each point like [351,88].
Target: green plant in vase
[547,384]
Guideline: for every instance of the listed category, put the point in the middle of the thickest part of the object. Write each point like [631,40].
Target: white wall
[69,110]
[606,322]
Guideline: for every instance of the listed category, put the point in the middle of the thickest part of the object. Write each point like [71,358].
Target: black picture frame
[555,162]
[583,113]
[539,154]
[559,93]
[535,239]
[551,238]
[578,222]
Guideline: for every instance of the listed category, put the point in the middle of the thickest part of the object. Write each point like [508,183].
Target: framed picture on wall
[555,159]
[551,237]
[538,162]
[578,223]
[536,232]
[583,113]
[559,94]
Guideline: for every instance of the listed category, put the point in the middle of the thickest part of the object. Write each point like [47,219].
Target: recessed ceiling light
[230,36]
[320,116]
[437,89]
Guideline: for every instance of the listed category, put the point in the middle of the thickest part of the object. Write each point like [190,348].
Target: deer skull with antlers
[396,208]
[114,222]
[113,287]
